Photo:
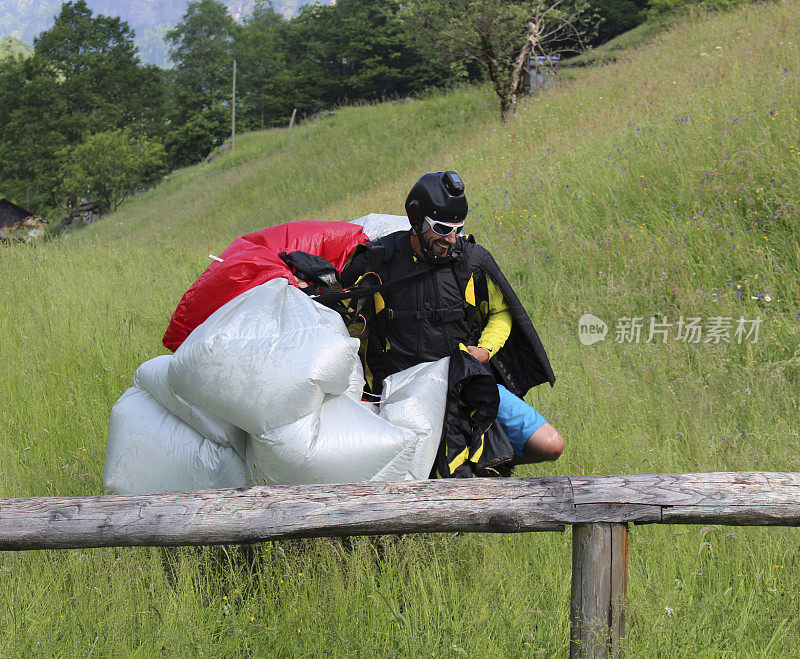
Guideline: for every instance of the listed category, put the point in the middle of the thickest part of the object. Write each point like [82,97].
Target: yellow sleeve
[498,327]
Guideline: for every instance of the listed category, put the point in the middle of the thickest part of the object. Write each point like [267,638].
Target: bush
[192,141]
[108,167]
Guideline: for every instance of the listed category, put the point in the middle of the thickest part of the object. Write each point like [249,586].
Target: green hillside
[662,186]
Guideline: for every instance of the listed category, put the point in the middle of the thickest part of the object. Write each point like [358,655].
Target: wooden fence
[599,508]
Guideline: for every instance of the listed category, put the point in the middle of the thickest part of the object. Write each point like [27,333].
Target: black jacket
[425,317]
[422,313]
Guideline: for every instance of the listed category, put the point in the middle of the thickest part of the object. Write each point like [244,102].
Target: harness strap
[448,315]
[366,291]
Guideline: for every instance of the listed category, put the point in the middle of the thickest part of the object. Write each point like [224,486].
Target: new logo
[591,329]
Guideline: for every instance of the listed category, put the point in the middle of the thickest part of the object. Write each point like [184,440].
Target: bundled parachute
[267,389]
[254,259]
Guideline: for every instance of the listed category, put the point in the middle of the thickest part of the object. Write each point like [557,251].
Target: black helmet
[439,196]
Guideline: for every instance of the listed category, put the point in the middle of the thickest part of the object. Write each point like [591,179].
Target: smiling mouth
[441,248]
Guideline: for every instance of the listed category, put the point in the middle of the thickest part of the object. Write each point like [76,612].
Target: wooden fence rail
[599,507]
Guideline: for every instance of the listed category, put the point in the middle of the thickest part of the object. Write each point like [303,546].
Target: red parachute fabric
[252,260]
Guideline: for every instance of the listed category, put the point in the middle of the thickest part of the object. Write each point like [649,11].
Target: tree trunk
[508,110]
[496,76]
[531,40]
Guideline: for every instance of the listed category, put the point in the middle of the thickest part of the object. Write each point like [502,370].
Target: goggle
[441,228]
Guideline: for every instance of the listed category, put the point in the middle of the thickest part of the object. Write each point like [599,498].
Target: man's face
[440,245]
[440,236]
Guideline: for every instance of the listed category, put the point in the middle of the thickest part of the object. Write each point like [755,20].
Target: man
[441,293]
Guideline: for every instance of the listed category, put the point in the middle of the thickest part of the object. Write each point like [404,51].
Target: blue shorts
[518,419]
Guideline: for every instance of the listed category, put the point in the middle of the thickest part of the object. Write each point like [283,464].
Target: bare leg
[544,444]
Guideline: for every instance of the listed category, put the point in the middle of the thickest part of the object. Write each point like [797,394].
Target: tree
[263,81]
[501,35]
[84,77]
[358,49]
[101,77]
[191,140]
[382,60]
[11,47]
[30,112]
[202,49]
[108,167]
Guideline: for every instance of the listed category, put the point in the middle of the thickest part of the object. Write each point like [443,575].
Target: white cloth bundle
[279,373]
[152,377]
[265,359]
[151,450]
[345,440]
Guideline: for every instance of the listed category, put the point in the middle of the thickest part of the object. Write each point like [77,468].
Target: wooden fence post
[599,587]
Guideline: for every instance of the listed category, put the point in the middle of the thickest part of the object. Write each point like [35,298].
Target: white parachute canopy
[151,450]
[268,390]
[378,225]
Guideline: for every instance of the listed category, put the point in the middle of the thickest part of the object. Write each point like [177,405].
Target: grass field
[663,186]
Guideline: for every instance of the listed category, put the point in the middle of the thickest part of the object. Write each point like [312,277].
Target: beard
[439,247]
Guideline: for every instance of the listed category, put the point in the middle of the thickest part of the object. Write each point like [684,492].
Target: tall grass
[663,186]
